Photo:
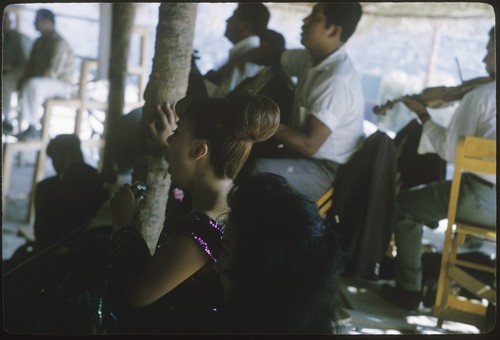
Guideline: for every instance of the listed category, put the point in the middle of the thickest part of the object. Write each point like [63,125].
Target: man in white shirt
[243,28]
[327,117]
[425,205]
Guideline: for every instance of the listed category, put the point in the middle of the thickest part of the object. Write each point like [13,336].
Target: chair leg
[19,158]
[443,284]
[7,172]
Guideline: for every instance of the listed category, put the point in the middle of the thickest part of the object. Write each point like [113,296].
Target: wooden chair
[473,155]
[325,202]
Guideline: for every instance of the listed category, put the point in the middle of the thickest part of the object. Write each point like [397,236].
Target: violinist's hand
[417,106]
[235,63]
[164,125]
[123,206]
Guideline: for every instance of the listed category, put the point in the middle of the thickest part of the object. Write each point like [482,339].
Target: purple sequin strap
[207,233]
[205,246]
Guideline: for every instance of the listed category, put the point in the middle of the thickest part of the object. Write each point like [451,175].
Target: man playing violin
[428,204]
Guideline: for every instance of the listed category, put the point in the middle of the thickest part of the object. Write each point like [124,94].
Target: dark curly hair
[286,262]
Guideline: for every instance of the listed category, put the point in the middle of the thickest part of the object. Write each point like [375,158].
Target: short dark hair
[346,14]
[273,38]
[46,14]
[65,144]
[256,14]
[285,262]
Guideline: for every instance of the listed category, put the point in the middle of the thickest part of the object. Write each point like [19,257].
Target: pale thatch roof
[430,9]
[471,9]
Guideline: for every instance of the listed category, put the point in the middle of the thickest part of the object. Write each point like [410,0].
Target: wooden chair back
[476,155]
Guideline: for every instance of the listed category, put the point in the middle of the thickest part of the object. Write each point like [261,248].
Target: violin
[434,97]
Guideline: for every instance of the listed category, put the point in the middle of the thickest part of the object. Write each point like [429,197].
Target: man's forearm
[423,116]
[294,140]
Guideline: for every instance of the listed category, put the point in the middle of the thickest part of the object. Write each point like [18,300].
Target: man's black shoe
[406,299]
[30,133]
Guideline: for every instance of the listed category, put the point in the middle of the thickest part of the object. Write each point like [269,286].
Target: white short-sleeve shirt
[475,116]
[331,91]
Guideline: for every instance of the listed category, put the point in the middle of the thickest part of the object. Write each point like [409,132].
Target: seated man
[48,73]
[428,204]
[243,28]
[70,199]
[327,117]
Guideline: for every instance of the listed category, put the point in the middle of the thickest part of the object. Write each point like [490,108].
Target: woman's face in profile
[178,152]
[224,263]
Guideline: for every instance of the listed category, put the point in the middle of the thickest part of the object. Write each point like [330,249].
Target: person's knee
[257,166]
[404,201]
[29,88]
[32,87]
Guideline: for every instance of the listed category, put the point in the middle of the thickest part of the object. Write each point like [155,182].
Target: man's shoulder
[57,38]
[482,92]
[14,34]
[488,87]
[297,56]
[81,169]
[297,52]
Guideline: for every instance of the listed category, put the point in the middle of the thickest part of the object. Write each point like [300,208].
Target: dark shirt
[64,204]
[15,51]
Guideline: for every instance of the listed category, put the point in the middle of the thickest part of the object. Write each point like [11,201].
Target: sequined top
[195,305]
[204,230]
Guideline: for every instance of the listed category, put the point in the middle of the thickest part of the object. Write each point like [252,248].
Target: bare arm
[261,55]
[177,259]
[305,142]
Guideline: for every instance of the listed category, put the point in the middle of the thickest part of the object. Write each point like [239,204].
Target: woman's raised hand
[123,206]
[164,124]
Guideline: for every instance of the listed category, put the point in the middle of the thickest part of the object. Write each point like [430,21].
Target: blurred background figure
[71,198]
[243,29]
[16,50]
[272,39]
[48,74]
[281,262]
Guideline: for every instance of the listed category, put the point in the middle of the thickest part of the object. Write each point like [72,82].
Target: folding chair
[325,202]
[477,155]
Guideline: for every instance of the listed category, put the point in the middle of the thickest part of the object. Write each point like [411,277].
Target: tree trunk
[168,82]
[123,15]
